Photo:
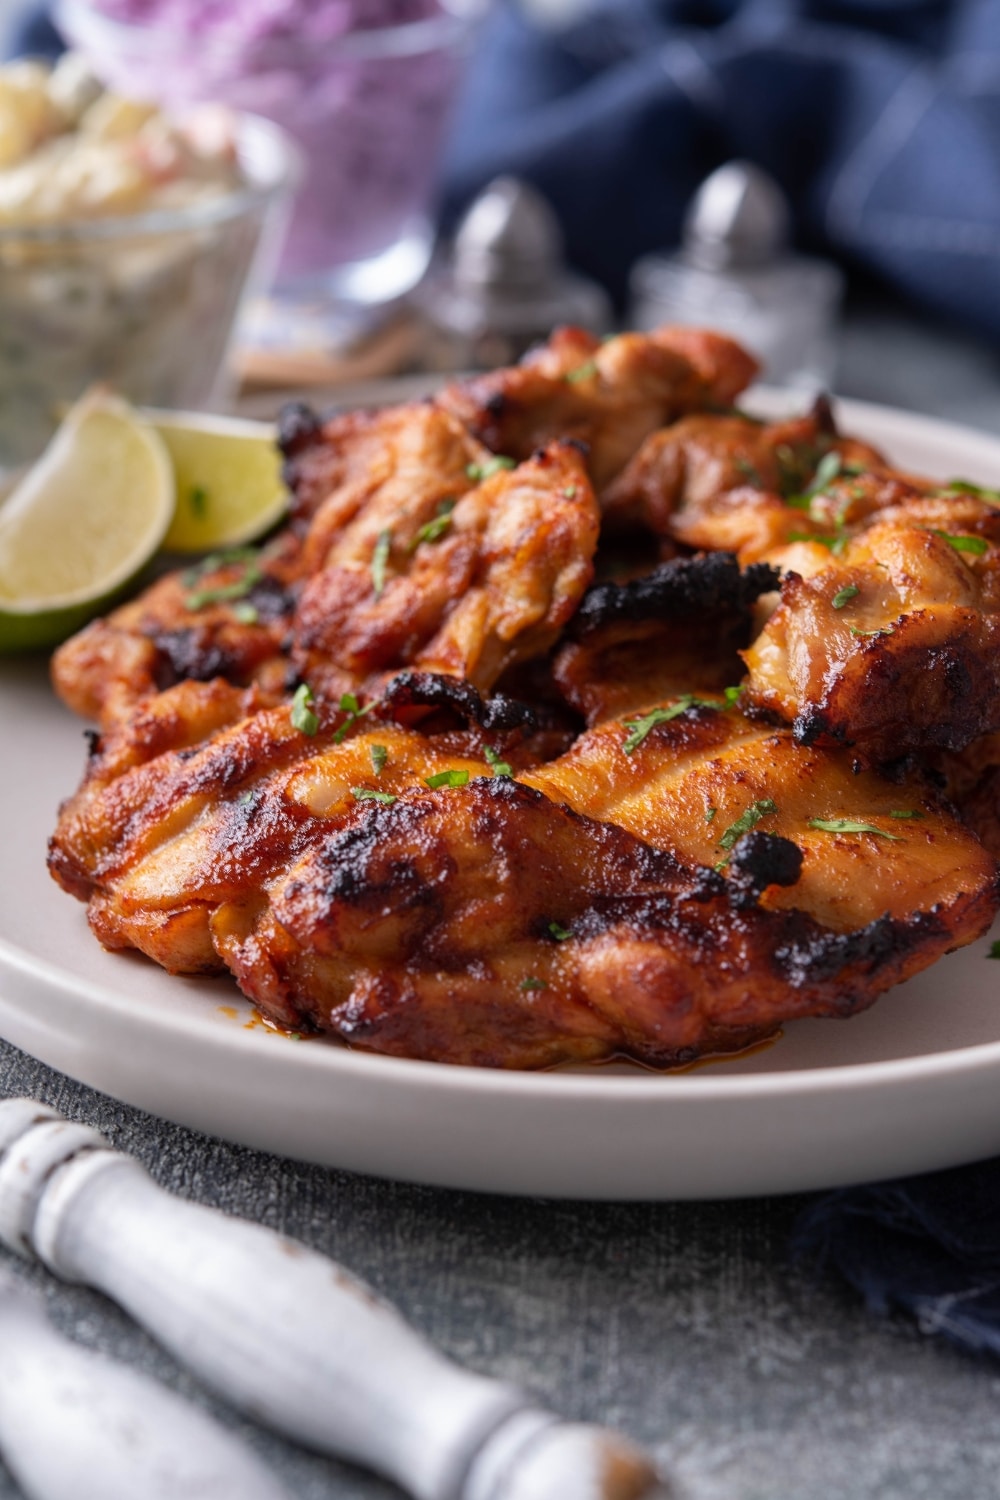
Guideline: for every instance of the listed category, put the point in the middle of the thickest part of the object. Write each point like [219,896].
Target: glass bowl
[146,303]
[369,109]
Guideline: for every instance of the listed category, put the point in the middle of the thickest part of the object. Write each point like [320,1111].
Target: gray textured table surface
[687,1325]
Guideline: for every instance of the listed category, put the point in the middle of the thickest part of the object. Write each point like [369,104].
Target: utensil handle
[74,1426]
[280,1331]
[287,1335]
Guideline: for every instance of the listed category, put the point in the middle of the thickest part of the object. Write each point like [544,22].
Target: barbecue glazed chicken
[574,715]
[437,558]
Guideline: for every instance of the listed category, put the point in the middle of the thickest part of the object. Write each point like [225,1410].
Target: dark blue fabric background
[929,1246]
[881,119]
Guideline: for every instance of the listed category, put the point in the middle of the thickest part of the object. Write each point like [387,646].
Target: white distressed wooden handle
[74,1426]
[287,1335]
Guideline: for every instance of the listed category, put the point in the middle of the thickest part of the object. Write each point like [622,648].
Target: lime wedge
[82,522]
[228,478]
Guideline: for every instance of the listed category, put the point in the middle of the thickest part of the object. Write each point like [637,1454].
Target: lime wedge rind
[227,470]
[82,523]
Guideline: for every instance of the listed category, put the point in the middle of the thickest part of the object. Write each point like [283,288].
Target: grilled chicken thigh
[631,848]
[891,645]
[392,888]
[608,395]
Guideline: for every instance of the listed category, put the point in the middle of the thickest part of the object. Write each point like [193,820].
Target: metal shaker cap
[508,238]
[738,218]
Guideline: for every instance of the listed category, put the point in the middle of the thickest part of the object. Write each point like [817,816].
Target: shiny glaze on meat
[724,482]
[654,885]
[909,657]
[490,925]
[435,924]
[608,395]
[695,776]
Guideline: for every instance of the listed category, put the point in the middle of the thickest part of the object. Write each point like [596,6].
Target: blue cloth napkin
[880,118]
[929,1246]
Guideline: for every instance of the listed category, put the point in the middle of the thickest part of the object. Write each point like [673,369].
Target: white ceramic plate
[911,1085]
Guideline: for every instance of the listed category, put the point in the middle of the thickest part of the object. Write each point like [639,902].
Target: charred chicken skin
[411,542]
[430,570]
[433,909]
[515,816]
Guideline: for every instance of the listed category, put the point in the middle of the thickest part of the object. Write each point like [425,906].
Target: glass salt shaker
[735,272]
[503,285]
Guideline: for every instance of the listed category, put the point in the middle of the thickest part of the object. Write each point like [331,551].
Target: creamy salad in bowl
[126,242]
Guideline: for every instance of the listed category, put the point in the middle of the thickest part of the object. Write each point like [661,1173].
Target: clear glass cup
[368,108]
[147,303]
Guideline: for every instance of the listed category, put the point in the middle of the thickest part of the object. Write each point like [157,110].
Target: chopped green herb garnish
[966,487]
[491,466]
[851,825]
[640,727]
[531,983]
[710,813]
[829,466]
[732,695]
[885,630]
[757,810]
[994,949]
[349,706]
[975,544]
[842,510]
[198,501]
[827,470]
[432,531]
[303,717]
[905,812]
[582,372]
[245,613]
[379,755]
[559,933]
[749,471]
[224,593]
[216,560]
[569,492]
[845,595]
[368,794]
[380,557]
[446,778]
[497,766]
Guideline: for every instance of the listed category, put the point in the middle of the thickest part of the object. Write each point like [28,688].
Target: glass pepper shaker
[735,272]
[503,286]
